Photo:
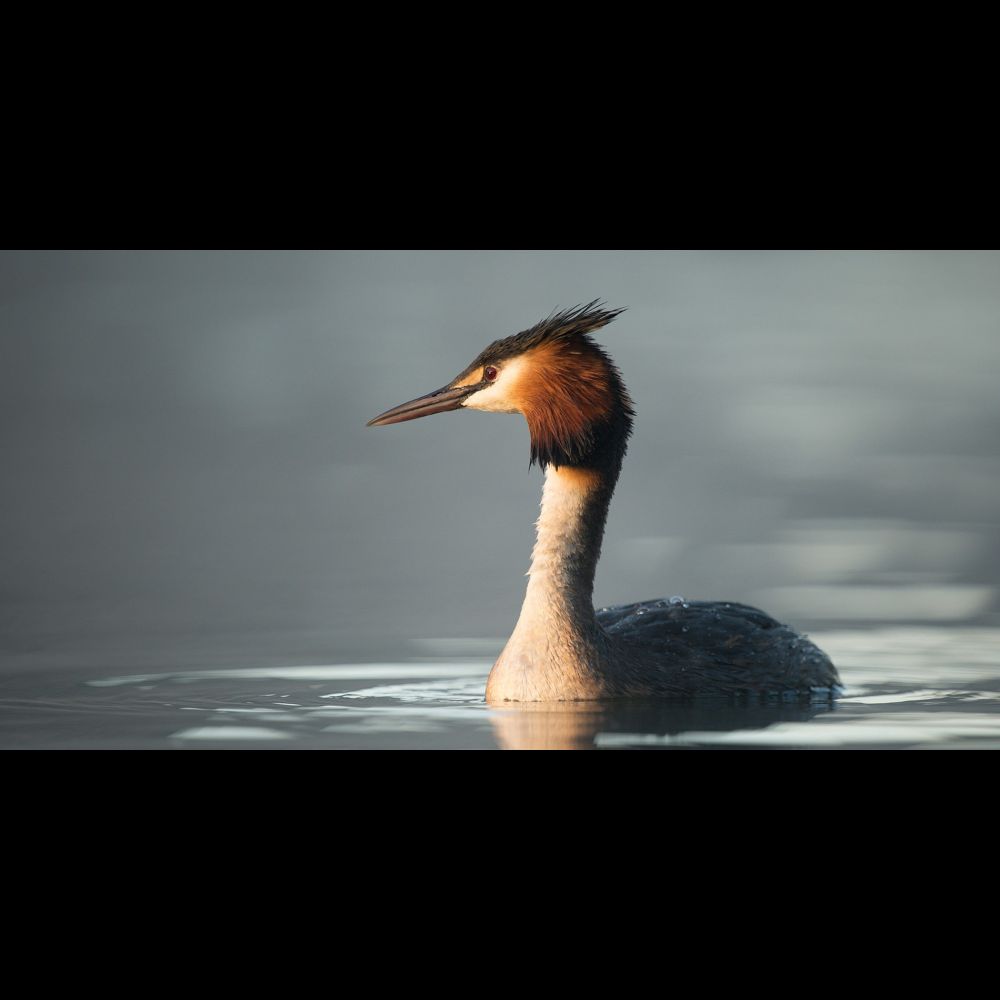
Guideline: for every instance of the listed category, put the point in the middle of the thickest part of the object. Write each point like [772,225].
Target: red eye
[490,373]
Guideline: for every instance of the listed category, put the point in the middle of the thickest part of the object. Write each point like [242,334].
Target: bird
[580,416]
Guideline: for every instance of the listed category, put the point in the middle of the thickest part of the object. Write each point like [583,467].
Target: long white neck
[567,546]
[557,647]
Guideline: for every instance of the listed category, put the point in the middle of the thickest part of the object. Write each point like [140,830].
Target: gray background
[187,474]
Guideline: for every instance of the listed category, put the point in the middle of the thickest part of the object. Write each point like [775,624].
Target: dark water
[923,688]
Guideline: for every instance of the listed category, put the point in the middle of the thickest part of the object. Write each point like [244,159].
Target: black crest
[560,326]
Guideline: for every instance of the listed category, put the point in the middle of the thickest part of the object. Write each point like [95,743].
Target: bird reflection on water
[652,723]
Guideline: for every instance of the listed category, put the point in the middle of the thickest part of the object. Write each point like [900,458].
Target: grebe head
[570,392]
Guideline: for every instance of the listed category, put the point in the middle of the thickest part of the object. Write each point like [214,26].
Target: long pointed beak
[434,402]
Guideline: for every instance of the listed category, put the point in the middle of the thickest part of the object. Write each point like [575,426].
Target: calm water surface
[193,511]
[928,688]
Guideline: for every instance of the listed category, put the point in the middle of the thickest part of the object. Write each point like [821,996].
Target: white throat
[561,578]
[557,643]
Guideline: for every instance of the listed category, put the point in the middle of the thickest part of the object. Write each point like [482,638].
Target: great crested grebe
[579,415]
